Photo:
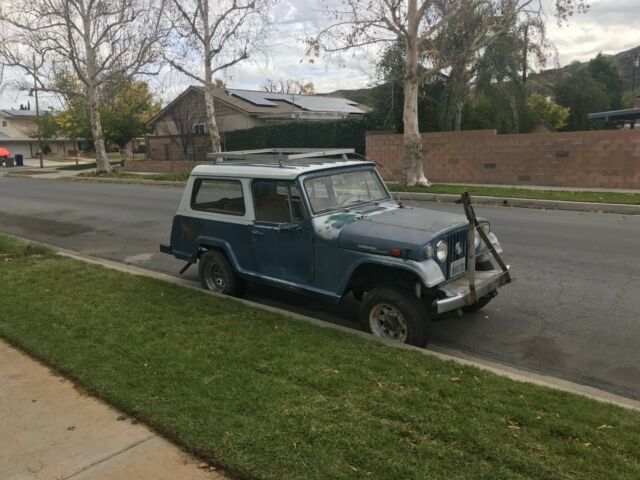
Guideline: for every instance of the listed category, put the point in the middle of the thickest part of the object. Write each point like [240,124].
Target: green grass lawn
[171,177]
[489,191]
[270,397]
[595,197]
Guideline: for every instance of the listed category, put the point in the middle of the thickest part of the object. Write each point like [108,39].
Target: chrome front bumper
[458,293]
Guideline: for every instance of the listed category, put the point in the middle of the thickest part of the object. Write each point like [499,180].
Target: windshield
[345,189]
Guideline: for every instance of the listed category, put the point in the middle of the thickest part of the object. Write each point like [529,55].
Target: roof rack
[278,156]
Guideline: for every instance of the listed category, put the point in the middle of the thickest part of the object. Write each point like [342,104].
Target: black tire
[415,314]
[482,302]
[217,275]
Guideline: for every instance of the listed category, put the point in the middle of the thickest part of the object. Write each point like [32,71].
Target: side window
[277,201]
[218,196]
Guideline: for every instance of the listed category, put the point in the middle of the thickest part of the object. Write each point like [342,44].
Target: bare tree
[97,40]
[295,87]
[185,114]
[209,36]
[426,28]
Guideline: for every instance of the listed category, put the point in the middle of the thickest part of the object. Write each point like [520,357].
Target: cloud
[610,26]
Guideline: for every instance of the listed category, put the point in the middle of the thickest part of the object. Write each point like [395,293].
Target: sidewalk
[52,431]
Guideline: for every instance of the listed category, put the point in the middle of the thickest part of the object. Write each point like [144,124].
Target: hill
[544,81]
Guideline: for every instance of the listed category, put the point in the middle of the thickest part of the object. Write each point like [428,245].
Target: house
[180,129]
[18,132]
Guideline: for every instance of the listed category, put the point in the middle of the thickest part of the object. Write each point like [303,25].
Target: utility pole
[636,64]
[38,126]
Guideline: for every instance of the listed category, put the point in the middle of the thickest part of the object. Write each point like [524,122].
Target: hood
[408,229]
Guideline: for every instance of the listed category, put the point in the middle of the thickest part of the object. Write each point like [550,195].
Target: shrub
[347,133]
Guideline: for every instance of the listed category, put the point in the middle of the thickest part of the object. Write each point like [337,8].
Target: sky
[610,26]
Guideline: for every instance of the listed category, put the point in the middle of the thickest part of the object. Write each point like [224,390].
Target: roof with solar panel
[267,106]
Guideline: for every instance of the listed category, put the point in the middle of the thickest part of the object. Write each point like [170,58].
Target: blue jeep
[322,223]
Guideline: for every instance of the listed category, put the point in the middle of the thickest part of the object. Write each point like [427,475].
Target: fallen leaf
[202,466]
[587,445]
[604,426]
[512,425]
[353,468]
[455,379]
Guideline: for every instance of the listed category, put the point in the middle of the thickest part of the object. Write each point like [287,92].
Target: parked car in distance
[324,224]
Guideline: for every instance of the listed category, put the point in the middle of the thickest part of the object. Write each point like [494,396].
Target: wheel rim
[216,280]
[387,321]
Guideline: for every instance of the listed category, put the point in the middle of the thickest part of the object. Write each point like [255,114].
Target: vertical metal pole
[35,89]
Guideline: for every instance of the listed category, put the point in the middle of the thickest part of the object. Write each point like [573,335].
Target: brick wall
[599,159]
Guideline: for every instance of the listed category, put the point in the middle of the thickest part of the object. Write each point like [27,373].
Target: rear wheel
[217,275]
[395,314]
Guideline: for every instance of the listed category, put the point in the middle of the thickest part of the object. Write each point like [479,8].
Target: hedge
[348,133]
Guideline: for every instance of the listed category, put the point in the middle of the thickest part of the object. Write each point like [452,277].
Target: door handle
[257,232]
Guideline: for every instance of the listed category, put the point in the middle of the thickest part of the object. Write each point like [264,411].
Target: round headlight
[427,251]
[441,251]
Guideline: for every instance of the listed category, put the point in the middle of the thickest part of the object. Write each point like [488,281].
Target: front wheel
[217,275]
[395,314]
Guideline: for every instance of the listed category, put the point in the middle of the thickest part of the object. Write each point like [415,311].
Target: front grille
[461,237]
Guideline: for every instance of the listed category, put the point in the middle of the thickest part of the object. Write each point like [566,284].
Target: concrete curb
[523,203]
[442,353]
[618,208]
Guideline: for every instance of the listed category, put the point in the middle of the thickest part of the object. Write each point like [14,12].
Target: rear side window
[218,196]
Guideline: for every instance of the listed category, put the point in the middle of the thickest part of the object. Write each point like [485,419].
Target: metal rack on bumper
[468,290]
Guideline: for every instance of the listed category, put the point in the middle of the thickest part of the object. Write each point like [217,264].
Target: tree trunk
[458,120]
[413,169]
[102,161]
[211,115]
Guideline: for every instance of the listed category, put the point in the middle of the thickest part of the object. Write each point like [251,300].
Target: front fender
[428,271]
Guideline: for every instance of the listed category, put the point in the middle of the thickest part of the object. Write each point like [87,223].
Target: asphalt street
[573,312]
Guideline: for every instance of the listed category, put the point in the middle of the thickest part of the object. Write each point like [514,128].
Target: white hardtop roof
[288,172]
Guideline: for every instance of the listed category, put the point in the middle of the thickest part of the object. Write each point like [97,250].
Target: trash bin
[19,160]
[8,161]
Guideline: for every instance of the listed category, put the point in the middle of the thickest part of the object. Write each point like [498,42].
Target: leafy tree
[126,112]
[46,127]
[547,111]
[126,108]
[426,29]
[607,75]
[582,94]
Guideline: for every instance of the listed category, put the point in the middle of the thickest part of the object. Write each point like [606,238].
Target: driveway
[573,312]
